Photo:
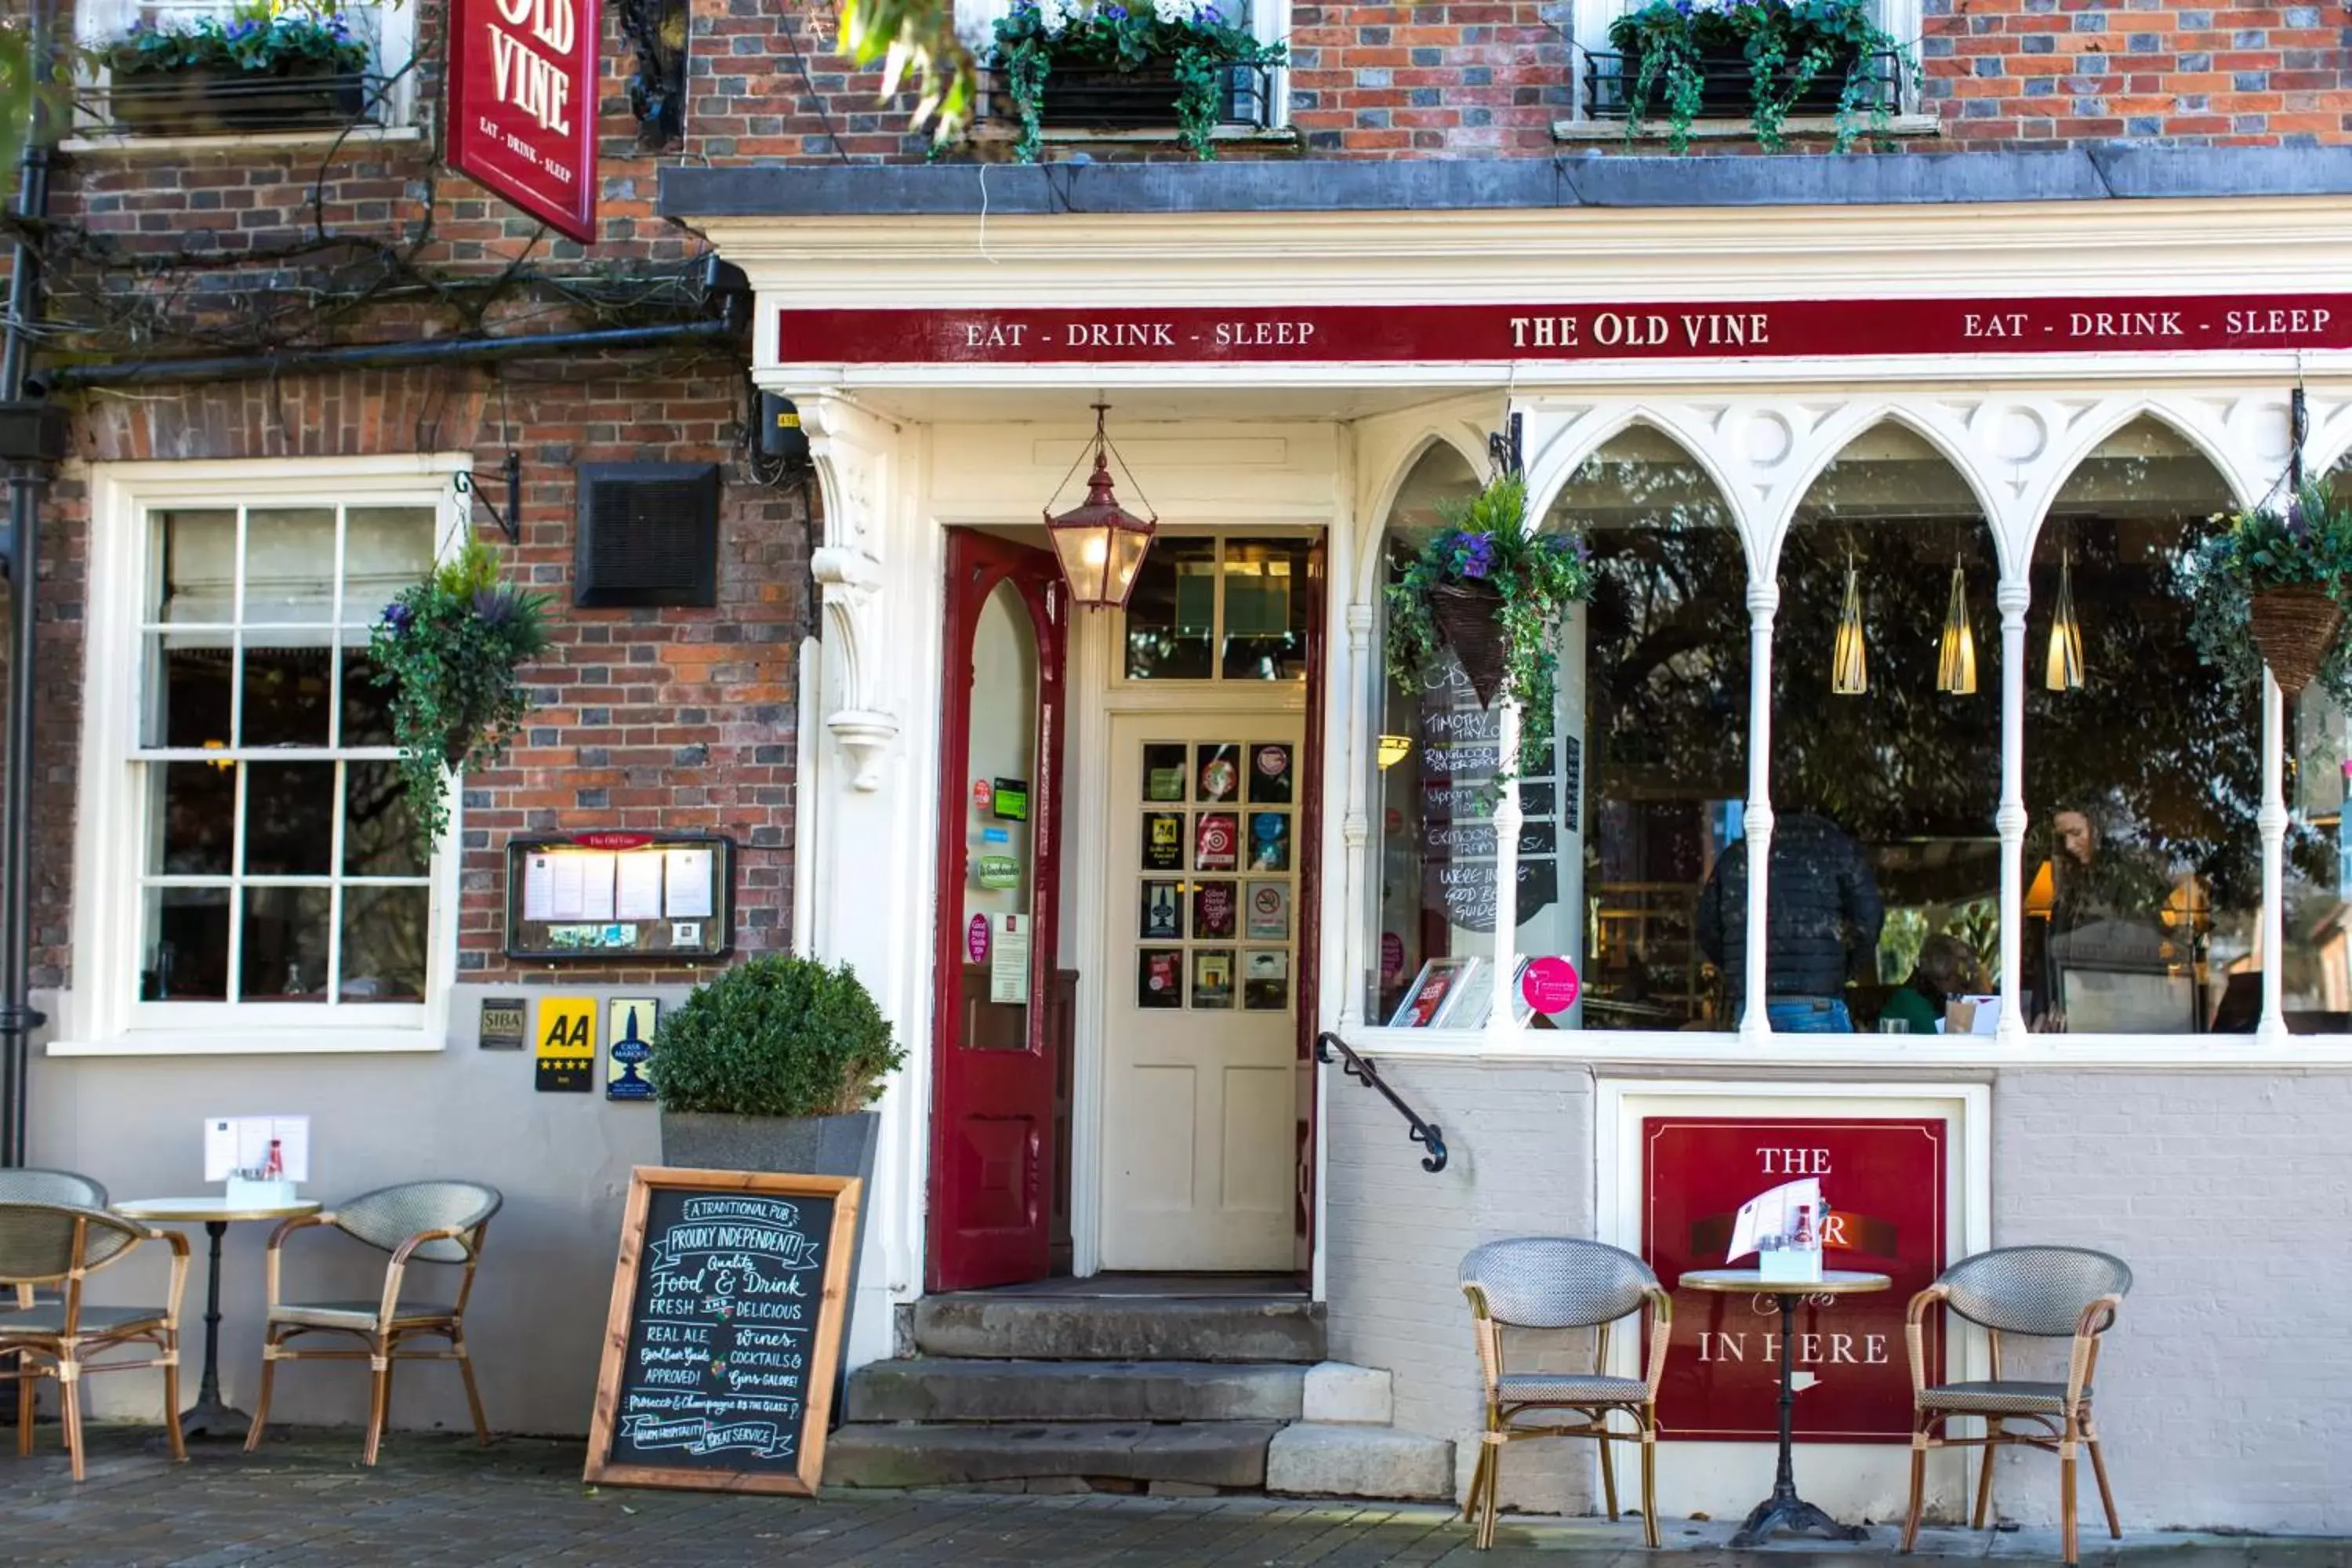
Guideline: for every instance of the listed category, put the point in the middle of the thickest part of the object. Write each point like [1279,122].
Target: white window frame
[1902,19]
[101,1014]
[99,23]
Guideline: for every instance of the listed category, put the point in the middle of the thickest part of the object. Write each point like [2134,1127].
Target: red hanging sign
[522,105]
[1884,1182]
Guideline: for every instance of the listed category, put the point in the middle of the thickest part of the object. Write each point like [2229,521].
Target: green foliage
[1538,576]
[1788,47]
[778,1036]
[917,38]
[259,37]
[449,648]
[1107,35]
[2305,545]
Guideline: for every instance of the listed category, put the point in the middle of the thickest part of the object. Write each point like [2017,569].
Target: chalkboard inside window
[728,1302]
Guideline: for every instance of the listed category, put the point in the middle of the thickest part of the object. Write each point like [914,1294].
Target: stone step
[934,1389]
[1311,1459]
[942,1454]
[1061,1328]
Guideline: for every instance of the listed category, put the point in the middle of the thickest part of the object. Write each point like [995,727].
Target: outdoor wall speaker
[648,535]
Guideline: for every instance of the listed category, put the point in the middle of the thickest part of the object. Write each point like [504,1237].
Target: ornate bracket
[510,521]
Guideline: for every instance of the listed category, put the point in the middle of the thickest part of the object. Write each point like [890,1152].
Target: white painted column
[1358,899]
[1501,1026]
[2273,821]
[2012,597]
[1763,604]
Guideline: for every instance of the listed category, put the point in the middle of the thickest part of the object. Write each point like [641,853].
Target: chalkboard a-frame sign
[729,1299]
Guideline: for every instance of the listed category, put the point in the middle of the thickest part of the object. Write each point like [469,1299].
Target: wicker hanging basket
[2295,629]
[1469,616]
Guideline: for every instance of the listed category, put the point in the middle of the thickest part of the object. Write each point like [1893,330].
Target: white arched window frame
[2016,451]
[389,26]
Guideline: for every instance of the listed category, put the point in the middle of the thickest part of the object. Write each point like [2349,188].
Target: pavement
[438,1501]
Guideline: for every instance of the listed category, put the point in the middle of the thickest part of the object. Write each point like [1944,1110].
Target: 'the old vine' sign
[728,1305]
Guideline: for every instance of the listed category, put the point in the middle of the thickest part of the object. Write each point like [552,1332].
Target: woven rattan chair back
[1556,1281]
[389,1215]
[30,1187]
[37,1241]
[2034,1291]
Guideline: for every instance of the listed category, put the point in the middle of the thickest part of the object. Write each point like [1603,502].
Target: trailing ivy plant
[1535,578]
[1789,44]
[777,1035]
[451,647]
[256,39]
[2306,543]
[1105,35]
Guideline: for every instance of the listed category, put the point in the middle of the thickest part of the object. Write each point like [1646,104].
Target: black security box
[648,534]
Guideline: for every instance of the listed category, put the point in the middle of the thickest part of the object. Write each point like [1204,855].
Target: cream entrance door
[1199,1038]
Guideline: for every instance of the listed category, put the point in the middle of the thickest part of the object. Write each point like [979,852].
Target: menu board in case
[729,1300]
[609,896]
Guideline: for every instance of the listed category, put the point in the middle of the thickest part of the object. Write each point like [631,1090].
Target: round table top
[212,1208]
[1749,1281]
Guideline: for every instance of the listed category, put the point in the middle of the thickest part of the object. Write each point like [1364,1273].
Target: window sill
[255,1043]
[997,133]
[1941,1053]
[1803,128]
[135,147]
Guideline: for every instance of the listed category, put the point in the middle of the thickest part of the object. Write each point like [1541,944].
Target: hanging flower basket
[1469,617]
[2297,629]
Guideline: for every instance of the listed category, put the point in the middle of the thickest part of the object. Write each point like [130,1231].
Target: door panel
[1200,1035]
[995,1154]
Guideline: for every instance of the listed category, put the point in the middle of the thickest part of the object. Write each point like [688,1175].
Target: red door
[996,1036]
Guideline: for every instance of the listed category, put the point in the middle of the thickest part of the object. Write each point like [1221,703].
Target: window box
[1104,97]
[211,99]
[1727,84]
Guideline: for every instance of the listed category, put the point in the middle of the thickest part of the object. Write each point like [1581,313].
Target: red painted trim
[1757,329]
[550,173]
[1310,993]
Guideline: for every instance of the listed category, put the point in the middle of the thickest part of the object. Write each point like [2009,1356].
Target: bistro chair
[2043,1292]
[25,1186]
[429,1222]
[1559,1282]
[62,1245]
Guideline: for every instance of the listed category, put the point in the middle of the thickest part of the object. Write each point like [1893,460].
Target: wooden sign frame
[833,1314]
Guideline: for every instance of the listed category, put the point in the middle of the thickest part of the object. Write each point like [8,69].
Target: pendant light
[1956,671]
[1849,662]
[1100,544]
[2064,672]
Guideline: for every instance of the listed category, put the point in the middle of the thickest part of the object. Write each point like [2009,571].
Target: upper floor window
[1608,67]
[230,68]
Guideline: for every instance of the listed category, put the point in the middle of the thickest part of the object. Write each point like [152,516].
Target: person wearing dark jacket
[1822,924]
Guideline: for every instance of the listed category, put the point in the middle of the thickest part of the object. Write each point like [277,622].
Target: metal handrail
[1361,1069]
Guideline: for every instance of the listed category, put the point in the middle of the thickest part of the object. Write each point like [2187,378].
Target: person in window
[1822,924]
[1947,967]
[2104,901]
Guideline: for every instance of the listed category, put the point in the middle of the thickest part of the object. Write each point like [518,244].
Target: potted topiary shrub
[770,1066]
[257,69]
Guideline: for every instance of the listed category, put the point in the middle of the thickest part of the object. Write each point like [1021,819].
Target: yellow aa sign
[567,1044]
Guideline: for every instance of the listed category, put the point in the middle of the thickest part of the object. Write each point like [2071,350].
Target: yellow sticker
[567,1044]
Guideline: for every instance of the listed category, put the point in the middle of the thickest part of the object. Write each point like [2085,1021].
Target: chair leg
[1650,1483]
[1490,1503]
[2066,1502]
[1477,1484]
[2107,1497]
[24,1405]
[379,1402]
[261,1401]
[70,1409]
[1608,1470]
[177,1439]
[1984,1476]
[1919,1486]
[473,1394]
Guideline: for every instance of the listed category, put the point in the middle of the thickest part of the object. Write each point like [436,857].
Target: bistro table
[1784,1510]
[210,1416]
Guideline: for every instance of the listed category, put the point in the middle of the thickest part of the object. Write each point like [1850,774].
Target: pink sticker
[1391,957]
[1550,985]
[975,938]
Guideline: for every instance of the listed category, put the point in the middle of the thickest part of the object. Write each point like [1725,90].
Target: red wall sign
[522,104]
[1312,335]
[1884,1183]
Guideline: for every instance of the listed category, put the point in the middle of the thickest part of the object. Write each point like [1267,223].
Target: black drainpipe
[26,482]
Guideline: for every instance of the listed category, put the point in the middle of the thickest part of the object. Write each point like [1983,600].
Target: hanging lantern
[1100,544]
[1956,671]
[2064,672]
[1849,663]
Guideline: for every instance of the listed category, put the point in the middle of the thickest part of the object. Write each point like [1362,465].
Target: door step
[932,1389]
[1124,1329]
[1208,1454]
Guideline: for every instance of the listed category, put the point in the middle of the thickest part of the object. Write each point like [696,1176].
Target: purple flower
[1474,555]
[398,617]
[2298,524]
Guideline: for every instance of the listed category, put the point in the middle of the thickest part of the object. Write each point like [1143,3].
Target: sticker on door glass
[1217,772]
[1163,841]
[1009,800]
[1214,918]
[1212,977]
[1163,913]
[1163,771]
[1269,775]
[1216,842]
[1265,981]
[1160,977]
[1269,911]
[1269,847]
